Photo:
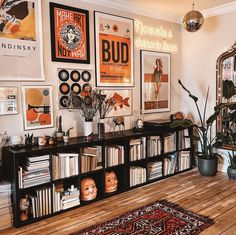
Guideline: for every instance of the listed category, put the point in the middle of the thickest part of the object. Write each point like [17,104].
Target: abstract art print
[21,40]
[155,81]
[114,50]
[123,102]
[37,107]
[69,34]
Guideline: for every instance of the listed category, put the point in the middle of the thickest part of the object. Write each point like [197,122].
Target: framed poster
[37,107]
[114,50]
[123,102]
[8,100]
[69,34]
[155,81]
[21,41]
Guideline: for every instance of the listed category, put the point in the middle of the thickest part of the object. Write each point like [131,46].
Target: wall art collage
[70,43]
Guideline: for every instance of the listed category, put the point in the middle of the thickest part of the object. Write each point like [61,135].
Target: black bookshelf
[13,157]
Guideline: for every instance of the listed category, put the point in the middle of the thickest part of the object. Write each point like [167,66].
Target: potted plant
[207,157]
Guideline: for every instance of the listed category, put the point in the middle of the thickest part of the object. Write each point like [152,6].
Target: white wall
[13,124]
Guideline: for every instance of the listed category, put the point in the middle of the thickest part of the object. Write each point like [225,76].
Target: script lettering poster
[69,34]
[114,50]
[21,51]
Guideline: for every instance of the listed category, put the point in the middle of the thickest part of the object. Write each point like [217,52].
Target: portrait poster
[69,34]
[21,49]
[123,102]
[155,81]
[37,107]
[8,100]
[114,50]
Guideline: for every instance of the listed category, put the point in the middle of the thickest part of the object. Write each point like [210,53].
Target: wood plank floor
[211,196]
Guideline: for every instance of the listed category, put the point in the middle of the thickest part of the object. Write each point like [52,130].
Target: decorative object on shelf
[24,206]
[60,133]
[120,123]
[155,81]
[37,106]
[139,125]
[21,41]
[178,115]
[88,189]
[42,140]
[69,35]
[114,50]
[8,100]
[72,80]
[193,20]
[29,140]
[67,135]
[111,182]
[16,140]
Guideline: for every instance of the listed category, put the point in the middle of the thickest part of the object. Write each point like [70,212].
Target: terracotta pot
[207,167]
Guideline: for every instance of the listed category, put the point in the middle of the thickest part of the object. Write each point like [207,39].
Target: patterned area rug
[161,217]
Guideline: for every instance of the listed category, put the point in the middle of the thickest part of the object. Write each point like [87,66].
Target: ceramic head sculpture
[111,182]
[88,189]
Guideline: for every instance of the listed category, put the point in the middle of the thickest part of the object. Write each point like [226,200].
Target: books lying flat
[154,170]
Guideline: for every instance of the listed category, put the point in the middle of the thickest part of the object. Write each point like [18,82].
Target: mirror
[225,86]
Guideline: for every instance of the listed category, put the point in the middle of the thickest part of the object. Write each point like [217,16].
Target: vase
[88,128]
[101,129]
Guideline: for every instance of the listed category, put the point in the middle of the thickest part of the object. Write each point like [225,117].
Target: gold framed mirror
[225,86]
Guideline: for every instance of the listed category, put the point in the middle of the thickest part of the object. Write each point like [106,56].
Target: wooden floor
[211,196]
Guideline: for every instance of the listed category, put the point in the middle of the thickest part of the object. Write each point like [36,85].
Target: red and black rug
[161,217]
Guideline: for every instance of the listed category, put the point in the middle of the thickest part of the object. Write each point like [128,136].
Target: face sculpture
[111,182]
[88,189]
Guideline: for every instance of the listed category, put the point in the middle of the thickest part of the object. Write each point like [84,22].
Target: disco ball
[193,21]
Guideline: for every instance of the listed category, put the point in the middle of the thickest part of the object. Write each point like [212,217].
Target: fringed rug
[160,217]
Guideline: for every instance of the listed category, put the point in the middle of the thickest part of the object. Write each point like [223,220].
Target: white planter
[88,128]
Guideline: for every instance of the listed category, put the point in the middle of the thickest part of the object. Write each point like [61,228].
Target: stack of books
[138,149]
[184,160]
[5,205]
[137,175]
[40,201]
[91,158]
[154,170]
[34,171]
[170,143]
[65,165]
[114,155]
[153,146]
[170,164]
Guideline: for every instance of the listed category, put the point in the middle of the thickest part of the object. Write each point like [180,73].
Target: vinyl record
[76,88]
[64,88]
[63,75]
[87,87]
[75,76]
[65,101]
[86,76]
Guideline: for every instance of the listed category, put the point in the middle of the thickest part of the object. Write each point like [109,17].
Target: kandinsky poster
[37,107]
[114,50]
[69,34]
[21,50]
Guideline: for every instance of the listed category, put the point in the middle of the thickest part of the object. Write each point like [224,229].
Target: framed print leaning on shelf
[21,47]
[69,34]
[155,81]
[123,102]
[37,107]
[114,50]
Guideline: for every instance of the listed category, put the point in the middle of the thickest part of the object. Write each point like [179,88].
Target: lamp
[193,20]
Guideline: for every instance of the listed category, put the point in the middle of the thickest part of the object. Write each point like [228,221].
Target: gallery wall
[13,124]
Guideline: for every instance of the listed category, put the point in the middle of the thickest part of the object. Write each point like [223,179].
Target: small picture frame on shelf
[37,107]
[8,100]
[155,81]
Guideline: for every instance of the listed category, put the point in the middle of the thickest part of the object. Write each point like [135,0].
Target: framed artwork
[69,34]
[8,100]
[123,100]
[21,41]
[37,107]
[114,50]
[155,81]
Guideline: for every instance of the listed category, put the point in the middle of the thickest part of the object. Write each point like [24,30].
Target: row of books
[184,160]
[153,146]
[114,155]
[34,171]
[91,158]
[138,149]
[184,139]
[6,214]
[137,175]
[65,165]
[169,164]
[41,202]
[65,199]
[154,170]
[170,143]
